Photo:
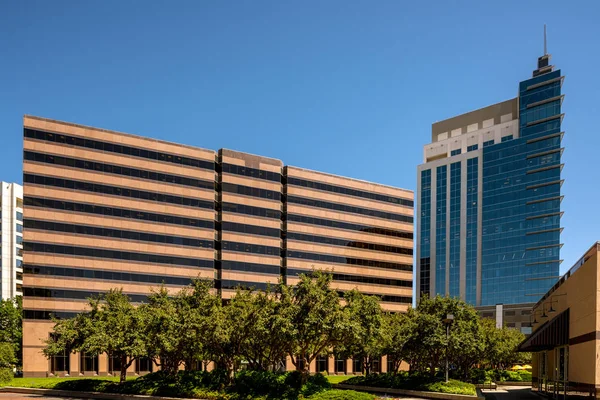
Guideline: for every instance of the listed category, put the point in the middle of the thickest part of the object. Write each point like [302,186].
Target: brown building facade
[104,209]
[565,342]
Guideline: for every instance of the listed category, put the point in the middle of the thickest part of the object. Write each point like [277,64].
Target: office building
[565,340]
[105,209]
[11,245]
[489,195]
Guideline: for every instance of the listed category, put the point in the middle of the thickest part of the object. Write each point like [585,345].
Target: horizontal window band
[347,243]
[356,278]
[117,148]
[544,83]
[300,255]
[350,192]
[236,284]
[251,210]
[74,294]
[546,199]
[545,101]
[539,139]
[105,275]
[116,233]
[251,248]
[540,121]
[36,247]
[349,226]
[534,171]
[558,182]
[251,172]
[250,191]
[385,298]
[117,191]
[545,231]
[545,153]
[250,229]
[118,170]
[48,314]
[117,212]
[249,267]
[349,209]
[545,215]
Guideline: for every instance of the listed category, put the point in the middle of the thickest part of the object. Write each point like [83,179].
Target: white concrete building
[11,245]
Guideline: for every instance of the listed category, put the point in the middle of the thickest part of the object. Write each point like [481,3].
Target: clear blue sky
[317,84]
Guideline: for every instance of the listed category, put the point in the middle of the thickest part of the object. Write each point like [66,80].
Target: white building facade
[11,245]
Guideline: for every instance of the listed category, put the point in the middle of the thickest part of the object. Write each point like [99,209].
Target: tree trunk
[124,367]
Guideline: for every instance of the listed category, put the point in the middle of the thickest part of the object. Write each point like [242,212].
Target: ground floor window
[143,365]
[88,362]
[322,363]
[391,368]
[357,365]
[114,364]
[340,365]
[376,365]
[60,363]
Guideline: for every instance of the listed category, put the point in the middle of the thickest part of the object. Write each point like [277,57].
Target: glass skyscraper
[488,200]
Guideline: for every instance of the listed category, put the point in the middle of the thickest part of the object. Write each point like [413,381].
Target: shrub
[342,395]
[452,386]
[412,382]
[6,375]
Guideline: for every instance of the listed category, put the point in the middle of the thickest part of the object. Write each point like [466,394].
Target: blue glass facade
[454,242]
[471,245]
[425,238]
[497,234]
[440,228]
[521,200]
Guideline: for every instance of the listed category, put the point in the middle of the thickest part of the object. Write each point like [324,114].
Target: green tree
[11,311]
[501,345]
[398,329]
[364,338]
[429,345]
[112,325]
[176,326]
[318,321]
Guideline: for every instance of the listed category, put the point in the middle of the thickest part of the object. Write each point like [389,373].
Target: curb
[413,393]
[85,395]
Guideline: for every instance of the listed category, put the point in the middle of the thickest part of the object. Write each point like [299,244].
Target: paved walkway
[19,396]
[510,393]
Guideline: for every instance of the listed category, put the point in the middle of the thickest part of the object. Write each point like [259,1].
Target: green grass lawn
[49,383]
[333,379]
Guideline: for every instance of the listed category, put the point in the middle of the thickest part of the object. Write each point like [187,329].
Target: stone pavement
[510,393]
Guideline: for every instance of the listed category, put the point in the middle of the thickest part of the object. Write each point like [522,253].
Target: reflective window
[251,210]
[472,147]
[251,172]
[356,278]
[348,243]
[19,216]
[250,248]
[440,229]
[488,143]
[349,226]
[250,191]
[347,260]
[455,152]
[250,229]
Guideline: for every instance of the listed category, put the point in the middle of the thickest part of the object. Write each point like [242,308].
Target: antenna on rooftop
[545,42]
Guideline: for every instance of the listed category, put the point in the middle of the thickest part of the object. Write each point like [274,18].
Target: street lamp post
[447,321]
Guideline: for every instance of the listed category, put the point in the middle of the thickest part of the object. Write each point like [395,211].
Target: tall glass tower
[488,201]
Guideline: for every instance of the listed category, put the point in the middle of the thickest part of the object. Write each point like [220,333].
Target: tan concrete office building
[103,209]
[566,333]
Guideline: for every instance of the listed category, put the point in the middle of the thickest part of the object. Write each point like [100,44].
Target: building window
[391,367]
[19,276]
[357,365]
[487,314]
[60,363]
[19,216]
[143,365]
[114,365]
[20,240]
[19,228]
[455,152]
[19,252]
[509,313]
[322,363]
[507,138]
[510,325]
[88,362]
[340,365]
[376,365]
[488,143]
[525,312]
[473,147]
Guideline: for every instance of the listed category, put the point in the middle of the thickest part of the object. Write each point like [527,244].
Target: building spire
[545,42]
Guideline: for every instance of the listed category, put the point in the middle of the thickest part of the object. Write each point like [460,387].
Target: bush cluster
[496,375]
[210,385]
[413,382]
